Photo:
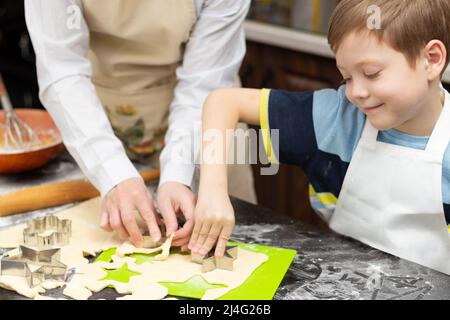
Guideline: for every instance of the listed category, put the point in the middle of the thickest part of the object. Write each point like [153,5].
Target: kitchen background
[306,15]
[17,56]
[17,61]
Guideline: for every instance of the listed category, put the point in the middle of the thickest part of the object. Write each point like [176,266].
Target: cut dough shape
[76,290]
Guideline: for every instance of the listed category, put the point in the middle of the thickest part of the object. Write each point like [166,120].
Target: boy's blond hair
[406,25]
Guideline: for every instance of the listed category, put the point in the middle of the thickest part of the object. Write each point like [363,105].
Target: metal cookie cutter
[149,242]
[210,262]
[48,231]
[35,265]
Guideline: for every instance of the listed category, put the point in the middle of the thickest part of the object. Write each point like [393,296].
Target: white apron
[391,198]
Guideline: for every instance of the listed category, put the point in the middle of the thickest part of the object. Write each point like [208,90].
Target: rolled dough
[89,239]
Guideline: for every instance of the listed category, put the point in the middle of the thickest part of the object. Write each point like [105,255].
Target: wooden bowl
[36,157]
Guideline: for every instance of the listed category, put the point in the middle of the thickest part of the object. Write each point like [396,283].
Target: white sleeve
[60,39]
[212,60]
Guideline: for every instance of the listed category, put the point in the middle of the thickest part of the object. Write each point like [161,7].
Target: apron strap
[369,135]
[440,137]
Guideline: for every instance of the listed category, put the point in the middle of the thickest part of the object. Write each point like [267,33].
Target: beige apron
[135,48]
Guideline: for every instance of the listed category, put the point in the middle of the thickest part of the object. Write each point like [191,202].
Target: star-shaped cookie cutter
[211,262]
[35,265]
[48,231]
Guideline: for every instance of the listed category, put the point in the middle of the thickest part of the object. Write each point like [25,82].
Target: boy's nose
[359,92]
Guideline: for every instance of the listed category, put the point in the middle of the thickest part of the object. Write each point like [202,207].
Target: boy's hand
[174,198]
[120,205]
[214,222]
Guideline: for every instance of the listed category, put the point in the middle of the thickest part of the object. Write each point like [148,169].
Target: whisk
[17,134]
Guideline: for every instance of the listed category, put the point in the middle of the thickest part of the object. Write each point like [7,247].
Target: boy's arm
[206,66]
[214,215]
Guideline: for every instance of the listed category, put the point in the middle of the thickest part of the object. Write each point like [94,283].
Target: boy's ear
[436,56]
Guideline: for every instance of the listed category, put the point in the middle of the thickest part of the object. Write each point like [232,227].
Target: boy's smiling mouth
[372,109]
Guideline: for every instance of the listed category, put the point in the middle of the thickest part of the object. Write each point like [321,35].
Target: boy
[379,143]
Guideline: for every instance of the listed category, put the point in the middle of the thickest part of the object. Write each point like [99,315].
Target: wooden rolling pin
[55,194]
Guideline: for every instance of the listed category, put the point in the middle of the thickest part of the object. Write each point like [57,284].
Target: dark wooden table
[327,266]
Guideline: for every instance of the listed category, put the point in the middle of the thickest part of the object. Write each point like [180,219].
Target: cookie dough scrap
[20,285]
[165,249]
[52,284]
[128,248]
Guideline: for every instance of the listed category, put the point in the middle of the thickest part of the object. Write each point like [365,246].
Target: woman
[139,71]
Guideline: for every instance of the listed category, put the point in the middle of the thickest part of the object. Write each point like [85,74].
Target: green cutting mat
[261,285]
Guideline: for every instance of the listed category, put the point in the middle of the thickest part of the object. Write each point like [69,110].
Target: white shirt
[211,60]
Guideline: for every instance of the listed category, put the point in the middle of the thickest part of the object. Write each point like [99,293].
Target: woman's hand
[119,207]
[175,198]
[214,223]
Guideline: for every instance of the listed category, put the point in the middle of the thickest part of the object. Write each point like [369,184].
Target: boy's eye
[372,75]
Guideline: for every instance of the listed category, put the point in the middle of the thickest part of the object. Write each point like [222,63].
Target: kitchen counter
[327,266]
